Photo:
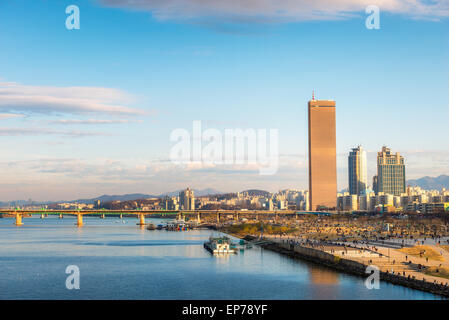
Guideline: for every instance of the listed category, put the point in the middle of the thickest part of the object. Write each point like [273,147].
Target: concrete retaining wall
[350,266]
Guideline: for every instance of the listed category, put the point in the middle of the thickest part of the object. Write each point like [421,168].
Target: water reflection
[123,261]
[322,276]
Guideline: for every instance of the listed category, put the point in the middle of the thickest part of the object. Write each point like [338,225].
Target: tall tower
[390,172]
[322,154]
[358,180]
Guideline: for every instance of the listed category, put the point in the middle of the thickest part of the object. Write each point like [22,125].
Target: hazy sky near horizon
[90,111]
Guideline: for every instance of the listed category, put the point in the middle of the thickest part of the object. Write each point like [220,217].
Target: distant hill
[123,197]
[107,198]
[431,183]
[135,196]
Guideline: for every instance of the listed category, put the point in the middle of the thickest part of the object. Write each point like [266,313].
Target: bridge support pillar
[19,219]
[60,216]
[79,220]
[42,216]
[218,217]
[121,215]
[102,216]
[141,219]
[199,217]
[237,216]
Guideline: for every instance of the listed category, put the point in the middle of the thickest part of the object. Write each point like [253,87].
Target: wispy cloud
[44,131]
[93,121]
[263,11]
[10,115]
[16,97]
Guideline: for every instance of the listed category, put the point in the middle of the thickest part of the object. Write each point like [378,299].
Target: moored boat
[151,226]
[177,226]
[220,245]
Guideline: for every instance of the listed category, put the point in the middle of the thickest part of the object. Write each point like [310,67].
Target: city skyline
[88,112]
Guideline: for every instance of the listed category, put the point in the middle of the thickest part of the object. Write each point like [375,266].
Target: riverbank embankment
[345,265]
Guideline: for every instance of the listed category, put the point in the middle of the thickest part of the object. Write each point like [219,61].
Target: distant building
[282,204]
[375,189]
[432,208]
[386,199]
[365,201]
[266,203]
[187,199]
[170,203]
[415,200]
[350,203]
[357,175]
[270,205]
[322,154]
[390,172]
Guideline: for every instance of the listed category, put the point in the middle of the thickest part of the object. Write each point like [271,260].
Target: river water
[118,260]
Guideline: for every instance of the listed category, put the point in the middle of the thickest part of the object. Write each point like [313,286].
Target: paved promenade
[386,258]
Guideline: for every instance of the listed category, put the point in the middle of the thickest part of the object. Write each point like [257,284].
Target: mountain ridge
[431,183]
[107,198]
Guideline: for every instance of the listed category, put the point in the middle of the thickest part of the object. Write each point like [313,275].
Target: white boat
[220,245]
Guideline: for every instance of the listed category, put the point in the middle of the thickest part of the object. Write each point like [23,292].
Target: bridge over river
[141,214]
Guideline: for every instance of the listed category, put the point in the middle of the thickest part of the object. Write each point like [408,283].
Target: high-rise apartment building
[322,154]
[357,174]
[187,199]
[390,172]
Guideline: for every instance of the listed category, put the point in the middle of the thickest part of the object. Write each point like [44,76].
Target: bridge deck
[146,212]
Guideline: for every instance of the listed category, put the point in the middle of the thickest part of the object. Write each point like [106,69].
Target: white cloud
[64,100]
[279,10]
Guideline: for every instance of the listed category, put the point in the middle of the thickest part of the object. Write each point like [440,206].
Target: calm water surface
[120,261]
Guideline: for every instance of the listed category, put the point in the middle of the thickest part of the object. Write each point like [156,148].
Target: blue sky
[90,111]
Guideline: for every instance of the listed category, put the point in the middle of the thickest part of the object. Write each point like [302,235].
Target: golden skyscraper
[322,154]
